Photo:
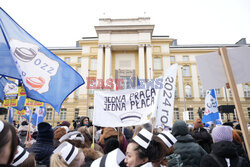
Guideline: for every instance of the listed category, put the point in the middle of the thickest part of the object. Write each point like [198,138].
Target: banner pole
[53,123]
[93,140]
[236,98]
[30,110]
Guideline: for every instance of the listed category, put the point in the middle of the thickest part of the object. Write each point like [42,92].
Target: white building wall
[195,81]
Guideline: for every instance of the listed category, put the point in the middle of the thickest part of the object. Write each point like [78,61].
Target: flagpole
[236,98]
[53,118]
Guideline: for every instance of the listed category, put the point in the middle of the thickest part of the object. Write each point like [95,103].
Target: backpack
[219,163]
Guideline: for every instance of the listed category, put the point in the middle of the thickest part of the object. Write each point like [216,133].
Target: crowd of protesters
[84,145]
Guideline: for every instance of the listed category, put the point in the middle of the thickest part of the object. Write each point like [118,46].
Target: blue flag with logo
[7,86]
[45,76]
[38,116]
[211,107]
[11,114]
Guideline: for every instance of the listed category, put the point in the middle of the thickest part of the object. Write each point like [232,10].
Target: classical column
[108,62]
[100,62]
[141,62]
[149,61]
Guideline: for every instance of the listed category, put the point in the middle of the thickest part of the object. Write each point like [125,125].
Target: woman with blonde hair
[66,155]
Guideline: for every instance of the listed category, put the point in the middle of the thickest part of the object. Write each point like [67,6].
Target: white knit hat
[222,133]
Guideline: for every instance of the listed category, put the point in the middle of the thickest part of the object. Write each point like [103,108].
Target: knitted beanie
[45,132]
[222,133]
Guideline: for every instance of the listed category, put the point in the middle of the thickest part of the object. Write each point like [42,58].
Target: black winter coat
[43,151]
[191,152]
[222,150]
[203,138]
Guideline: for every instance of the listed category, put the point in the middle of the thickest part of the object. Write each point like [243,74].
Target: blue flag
[211,107]
[27,113]
[8,86]
[11,114]
[38,116]
[138,81]
[46,77]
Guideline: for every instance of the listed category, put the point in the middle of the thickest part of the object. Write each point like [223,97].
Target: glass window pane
[172,59]
[188,91]
[67,59]
[186,71]
[157,64]
[93,64]
[185,58]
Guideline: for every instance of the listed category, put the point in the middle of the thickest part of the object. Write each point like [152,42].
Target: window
[230,93]
[76,112]
[172,59]
[222,116]
[234,116]
[246,90]
[90,113]
[67,59]
[217,93]
[77,93]
[79,60]
[185,58]
[188,91]
[93,64]
[186,71]
[78,69]
[49,114]
[175,93]
[176,114]
[190,113]
[248,109]
[202,92]
[157,63]
[91,91]
[63,114]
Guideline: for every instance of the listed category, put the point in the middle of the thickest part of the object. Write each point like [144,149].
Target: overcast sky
[63,22]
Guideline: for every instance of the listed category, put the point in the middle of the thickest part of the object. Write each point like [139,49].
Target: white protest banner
[166,98]
[124,108]
[212,72]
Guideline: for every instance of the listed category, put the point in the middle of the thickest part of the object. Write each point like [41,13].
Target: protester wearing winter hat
[223,150]
[43,148]
[191,152]
[8,143]
[201,135]
[67,155]
[65,123]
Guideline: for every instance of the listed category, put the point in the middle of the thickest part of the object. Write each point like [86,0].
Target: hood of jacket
[180,129]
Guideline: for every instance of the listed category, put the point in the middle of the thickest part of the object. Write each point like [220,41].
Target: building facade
[126,48]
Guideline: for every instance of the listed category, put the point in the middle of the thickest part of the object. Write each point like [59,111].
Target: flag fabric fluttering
[45,76]
[211,107]
[11,114]
[38,116]
[7,86]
